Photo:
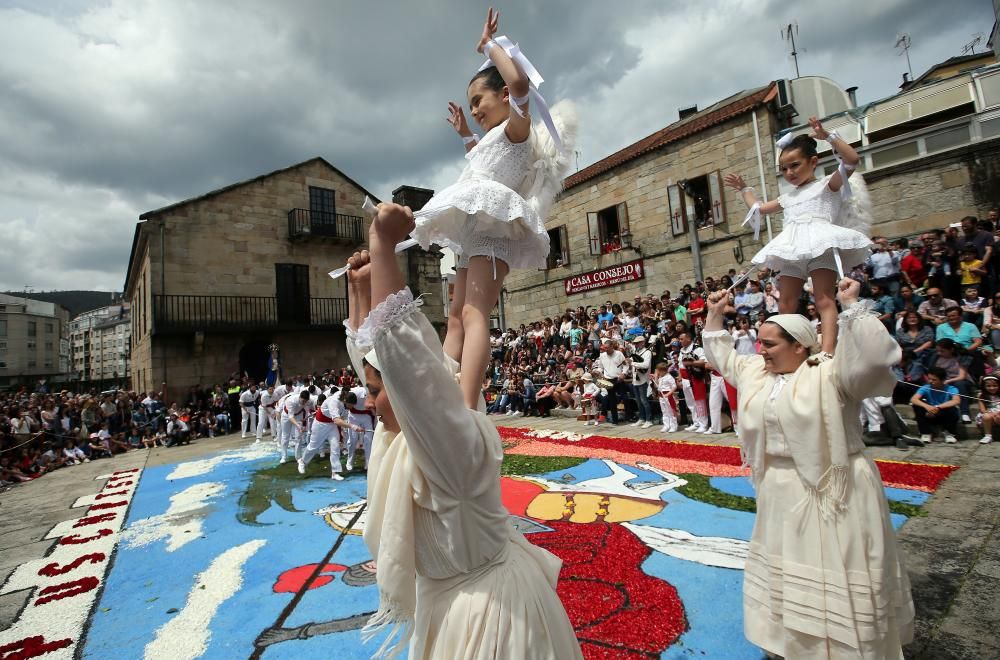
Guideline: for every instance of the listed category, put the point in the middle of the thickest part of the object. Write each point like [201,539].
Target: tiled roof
[715,114]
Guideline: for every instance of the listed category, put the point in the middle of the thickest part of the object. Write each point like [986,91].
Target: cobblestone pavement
[952,553]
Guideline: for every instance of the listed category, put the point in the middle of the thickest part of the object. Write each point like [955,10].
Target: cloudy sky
[112,108]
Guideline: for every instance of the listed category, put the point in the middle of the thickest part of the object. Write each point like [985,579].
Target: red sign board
[598,279]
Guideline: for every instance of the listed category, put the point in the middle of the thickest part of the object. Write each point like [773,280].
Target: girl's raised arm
[519,124]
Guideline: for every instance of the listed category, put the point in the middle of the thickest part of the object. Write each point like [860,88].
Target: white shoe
[243,436]
[336,476]
[673,429]
[256,441]
[636,422]
[925,439]
[665,430]
[283,459]
[966,419]
[986,439]
[700,429]
[517,413]
[349,467]
[596,423]
[646,425]
[509,413]
[302,466]
[950,439]
[693,427]
[711,432]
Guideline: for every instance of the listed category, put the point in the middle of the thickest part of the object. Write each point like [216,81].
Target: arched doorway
[253,360]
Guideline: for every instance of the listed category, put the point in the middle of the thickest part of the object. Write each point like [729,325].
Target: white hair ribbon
[371,209]
[753,219]
[784,141]
[534,80]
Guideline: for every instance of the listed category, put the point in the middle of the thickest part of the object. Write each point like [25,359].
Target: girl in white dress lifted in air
[823,231]
[493,218]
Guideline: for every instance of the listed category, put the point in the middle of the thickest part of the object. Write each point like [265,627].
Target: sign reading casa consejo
[598,279]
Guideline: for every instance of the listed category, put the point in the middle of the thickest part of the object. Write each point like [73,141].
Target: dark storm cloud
[114,108]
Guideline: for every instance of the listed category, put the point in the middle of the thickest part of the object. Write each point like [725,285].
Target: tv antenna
[903,42]
[970,48]
[788,33]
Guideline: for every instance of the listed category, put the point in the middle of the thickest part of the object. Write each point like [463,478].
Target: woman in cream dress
[455,579]
[823,575]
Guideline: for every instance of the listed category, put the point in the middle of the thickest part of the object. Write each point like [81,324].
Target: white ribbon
[753,218]
[784,141]
[534,80]
[369,207]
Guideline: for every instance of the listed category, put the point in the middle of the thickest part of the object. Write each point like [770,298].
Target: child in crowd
[494,216]
[812,244]
[74,455]
[989,407]
[970,267]
[973,306]
[666,386]
[589,399]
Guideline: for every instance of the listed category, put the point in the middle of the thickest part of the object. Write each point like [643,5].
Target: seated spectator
[973,306]
[917,336]
[989,407]
[885,307]
[955,374]
[991,321]
[933,309]
[178,432]
[934,405]
[906,301]
[73,454]
[99,447]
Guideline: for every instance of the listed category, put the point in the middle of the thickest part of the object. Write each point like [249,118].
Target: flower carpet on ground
[237,556]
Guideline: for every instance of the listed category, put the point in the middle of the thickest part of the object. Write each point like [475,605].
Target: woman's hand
[391,225]
[717,302]
[456,117]
[735,181]
[819,132]
[489,28]
[360,272]
[848,291]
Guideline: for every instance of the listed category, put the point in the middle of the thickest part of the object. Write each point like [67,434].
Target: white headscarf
[799,327]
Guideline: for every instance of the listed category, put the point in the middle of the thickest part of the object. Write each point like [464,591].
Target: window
[49,346]
[48,364]
[322,211]
[698,200]
[32,329]
[605,228]
[49,329]
[3,347]
[32,364]
[3,327]
[32,345]
[558,248]
[3,364]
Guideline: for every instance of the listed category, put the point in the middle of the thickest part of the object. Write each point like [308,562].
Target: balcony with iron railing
[189,313]
[306,223]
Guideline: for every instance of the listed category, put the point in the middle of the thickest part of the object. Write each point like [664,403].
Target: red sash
[364,412]
[320,417]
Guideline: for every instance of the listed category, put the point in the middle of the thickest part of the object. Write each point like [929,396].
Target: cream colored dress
[482,590]
[818,586]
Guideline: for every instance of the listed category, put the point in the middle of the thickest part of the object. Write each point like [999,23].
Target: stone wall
[643,185]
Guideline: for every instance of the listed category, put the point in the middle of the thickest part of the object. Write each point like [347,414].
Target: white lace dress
[482,590]
[809,230]
[485,213]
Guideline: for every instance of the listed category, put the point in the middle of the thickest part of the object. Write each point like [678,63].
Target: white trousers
[265,422]
[716,392]
[698,409]
[249,421]
[290,436]
[322,434]
[871,411]
[361,438]
[669,419]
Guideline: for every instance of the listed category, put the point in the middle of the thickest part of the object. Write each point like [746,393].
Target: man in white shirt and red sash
[327,425]
[361,417]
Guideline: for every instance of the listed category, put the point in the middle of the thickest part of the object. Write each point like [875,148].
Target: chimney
[852,93]
[684,113]
[412,196]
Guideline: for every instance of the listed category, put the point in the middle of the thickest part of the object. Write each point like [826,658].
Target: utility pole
[788,34]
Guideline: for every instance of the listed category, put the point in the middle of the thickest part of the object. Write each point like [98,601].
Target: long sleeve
[865,355]
[721,354]
[445,438]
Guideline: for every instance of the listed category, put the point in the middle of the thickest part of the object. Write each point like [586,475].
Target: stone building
[213,281]
[33,341]
[627,224]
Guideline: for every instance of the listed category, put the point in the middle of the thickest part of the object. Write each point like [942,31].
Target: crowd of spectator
[937,293]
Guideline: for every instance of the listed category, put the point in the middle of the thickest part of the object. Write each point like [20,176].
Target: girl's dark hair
[803,143]
[366,363]
[350,398]
[787,336]
[492,79]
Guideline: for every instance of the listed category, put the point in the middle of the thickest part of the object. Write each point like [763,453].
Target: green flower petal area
[516,465]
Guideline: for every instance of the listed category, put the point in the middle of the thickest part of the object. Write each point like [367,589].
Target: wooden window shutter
[718,200]
[594,233]
[564,244]
[678,217]
[622,210]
